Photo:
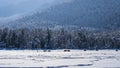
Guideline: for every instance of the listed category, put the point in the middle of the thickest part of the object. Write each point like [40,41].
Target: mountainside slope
[81,13]
[9,8]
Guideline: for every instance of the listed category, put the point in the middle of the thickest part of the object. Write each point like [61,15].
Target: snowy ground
[60,59]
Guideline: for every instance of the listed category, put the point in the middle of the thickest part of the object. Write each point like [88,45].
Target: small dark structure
[66,50]
[46,50]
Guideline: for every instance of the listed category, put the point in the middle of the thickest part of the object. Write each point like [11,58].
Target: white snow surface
[60,59]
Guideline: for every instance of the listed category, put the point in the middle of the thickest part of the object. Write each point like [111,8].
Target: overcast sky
[12,7]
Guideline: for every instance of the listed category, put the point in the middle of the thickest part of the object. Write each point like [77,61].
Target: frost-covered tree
[59,39]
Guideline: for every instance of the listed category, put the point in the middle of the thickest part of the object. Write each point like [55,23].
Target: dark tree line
[59,39]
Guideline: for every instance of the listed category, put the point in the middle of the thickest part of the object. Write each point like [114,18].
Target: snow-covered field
[60,59]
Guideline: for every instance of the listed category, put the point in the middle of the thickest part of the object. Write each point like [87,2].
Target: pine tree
[14,40]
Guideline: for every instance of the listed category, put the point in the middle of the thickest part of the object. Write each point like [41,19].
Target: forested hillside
[76,24]
[98,14]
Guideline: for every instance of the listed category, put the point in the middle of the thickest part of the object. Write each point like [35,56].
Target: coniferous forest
[60,33]
[59,39]
[65,24]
